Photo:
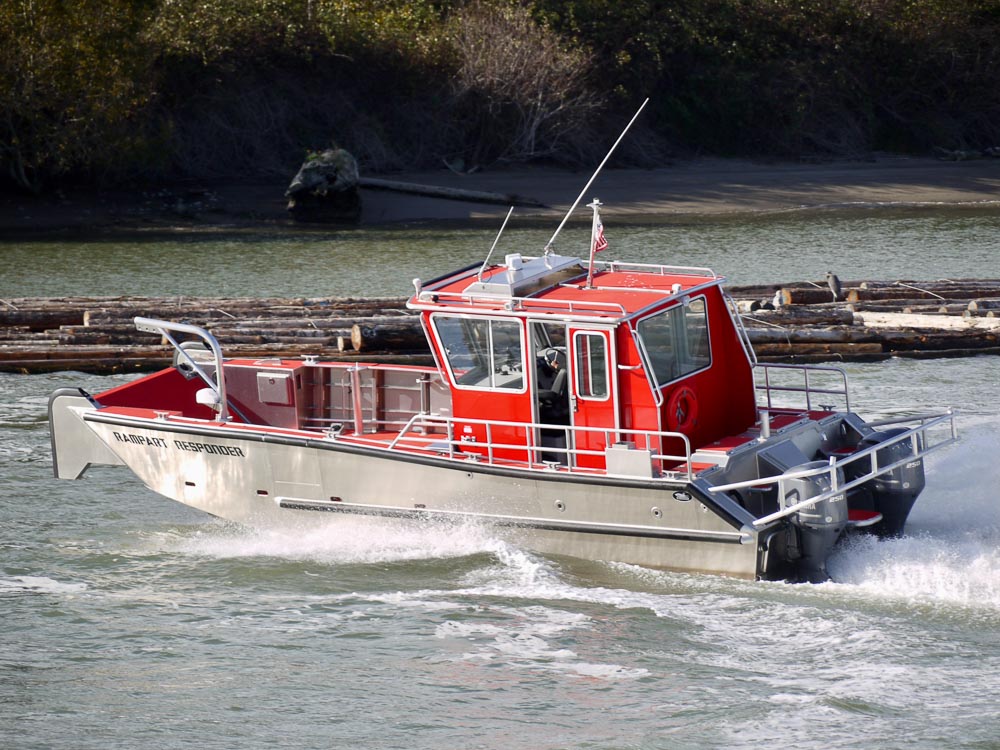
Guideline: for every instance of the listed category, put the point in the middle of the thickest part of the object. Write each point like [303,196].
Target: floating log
[934,285]
[818,348]
[982,305]
[812,335]
[924,306]
[62,352]
[938,340]
[403,337]
[454,194]
[941,322]
[798,316]
[105,316]
[805,295]
[887,293]
[40,320]
[98,366]
[104,338]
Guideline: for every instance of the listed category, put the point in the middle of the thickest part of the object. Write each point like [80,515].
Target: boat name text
[218,450]
[156,442]
[124,437]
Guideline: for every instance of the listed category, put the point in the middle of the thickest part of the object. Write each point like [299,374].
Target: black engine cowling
[892,494]
[820,524]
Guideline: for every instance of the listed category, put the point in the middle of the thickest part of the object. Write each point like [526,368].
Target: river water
[131,621]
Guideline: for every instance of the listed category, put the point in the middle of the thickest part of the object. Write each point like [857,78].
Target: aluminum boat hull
[269,480]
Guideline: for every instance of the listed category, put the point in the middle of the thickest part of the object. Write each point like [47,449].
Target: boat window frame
[439,343]
[647,361]
[606,346]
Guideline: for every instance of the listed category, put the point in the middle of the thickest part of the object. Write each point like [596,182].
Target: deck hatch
[275,388]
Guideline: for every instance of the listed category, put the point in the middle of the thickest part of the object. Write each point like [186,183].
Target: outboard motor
[819,525]
[894,493]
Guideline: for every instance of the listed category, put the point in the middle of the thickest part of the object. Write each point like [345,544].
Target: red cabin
[635,347]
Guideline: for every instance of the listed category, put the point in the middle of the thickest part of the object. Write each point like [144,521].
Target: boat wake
[350,541]
[38,585]
[951,551]
[950,556]
[924,569]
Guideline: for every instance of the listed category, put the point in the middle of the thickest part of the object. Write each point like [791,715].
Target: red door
[593,394]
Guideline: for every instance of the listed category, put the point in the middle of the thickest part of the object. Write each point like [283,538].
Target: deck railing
[807,387]
[438,434]
[656,269]
[461,301]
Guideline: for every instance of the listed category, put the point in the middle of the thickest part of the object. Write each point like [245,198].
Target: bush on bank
[105,90]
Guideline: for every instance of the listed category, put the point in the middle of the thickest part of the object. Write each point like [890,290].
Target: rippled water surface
[863,244]
[130,621]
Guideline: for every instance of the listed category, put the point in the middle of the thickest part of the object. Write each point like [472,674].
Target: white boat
[604,410]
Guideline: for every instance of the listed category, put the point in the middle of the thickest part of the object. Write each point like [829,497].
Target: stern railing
[807,387]
[920,441]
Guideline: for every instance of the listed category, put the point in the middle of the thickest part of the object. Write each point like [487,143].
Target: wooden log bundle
[885,319]
[912,318]
[99,335]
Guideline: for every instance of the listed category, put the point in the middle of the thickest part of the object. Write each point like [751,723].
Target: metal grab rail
[914,435]
[657,268]
[163,327]
[806,388]
[741,329]
[456,446]
[457,301]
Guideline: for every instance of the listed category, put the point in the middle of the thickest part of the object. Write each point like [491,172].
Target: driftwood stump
[326,189]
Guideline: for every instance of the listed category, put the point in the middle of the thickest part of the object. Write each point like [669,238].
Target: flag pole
[548,245]
[595,204]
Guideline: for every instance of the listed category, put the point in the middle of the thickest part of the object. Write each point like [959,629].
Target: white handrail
[805,388]
[741,329]
[658,268]
[452,298]
[163,327]
[529,444]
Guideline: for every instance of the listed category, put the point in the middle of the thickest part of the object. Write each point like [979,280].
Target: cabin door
[593,393]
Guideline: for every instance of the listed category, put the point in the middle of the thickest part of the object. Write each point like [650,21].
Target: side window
[676,341]
[483,353]
[591,365]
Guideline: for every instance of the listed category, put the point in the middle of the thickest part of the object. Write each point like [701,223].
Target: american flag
[600,243]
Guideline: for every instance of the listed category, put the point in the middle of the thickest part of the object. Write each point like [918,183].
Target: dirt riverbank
[690,188]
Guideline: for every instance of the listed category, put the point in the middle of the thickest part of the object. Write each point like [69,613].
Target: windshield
[675,342]
[482,353]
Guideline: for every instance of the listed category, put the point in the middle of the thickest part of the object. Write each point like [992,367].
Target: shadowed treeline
[97,91]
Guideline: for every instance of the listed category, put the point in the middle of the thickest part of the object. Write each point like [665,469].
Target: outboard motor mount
[821,524]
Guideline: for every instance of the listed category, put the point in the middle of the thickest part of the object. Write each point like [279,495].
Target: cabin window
[483,352]
[675,342]
[591,365]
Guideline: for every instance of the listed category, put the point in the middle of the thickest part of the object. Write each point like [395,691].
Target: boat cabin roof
[557,285]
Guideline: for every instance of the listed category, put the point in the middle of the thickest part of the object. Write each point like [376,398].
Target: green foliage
[791,77]
[72,80]
[527,97]
[111,89]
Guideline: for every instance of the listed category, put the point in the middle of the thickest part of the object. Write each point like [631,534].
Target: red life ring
[682,410]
